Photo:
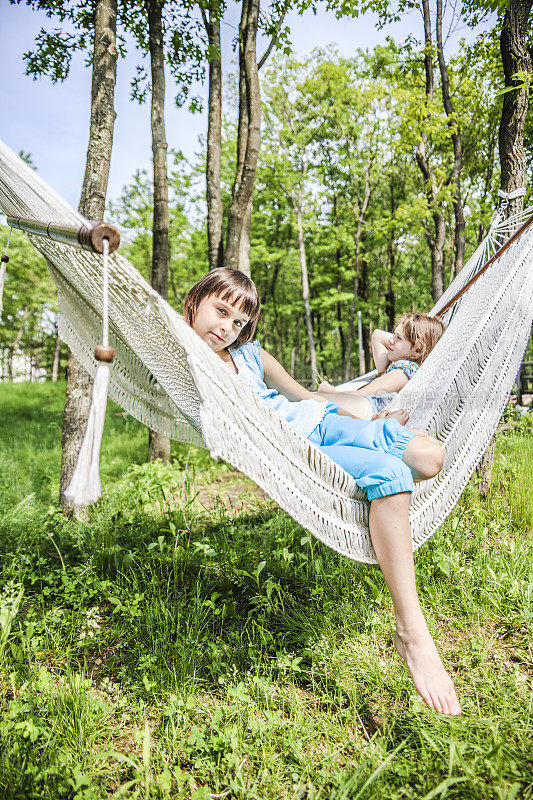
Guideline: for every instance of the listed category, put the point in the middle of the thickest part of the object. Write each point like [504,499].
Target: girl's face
[218,322]
[398,346]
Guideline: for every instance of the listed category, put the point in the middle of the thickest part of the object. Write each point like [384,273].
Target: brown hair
[232,286]
[422,332]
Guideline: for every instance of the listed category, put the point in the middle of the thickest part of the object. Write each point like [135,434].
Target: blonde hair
[422,332]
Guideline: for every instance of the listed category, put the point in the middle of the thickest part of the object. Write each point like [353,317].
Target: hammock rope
[168,378]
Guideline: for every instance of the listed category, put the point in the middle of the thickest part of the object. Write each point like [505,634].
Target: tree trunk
[214,141]
[56,363]
[359,238]
[305,288]
[159,444]
[367,329]
[487,183]
[244,246]
[455,175]
[15,343]
[249,132]
[437,254]
[338,308]
[390,299]
[92,205]
[515,58]
[240,218]
[436,242]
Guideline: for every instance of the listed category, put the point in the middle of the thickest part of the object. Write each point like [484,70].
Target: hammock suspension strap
[85,486]
[512,195]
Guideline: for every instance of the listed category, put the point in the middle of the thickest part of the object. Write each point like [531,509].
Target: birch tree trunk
[390,298]
[244,244]
[338,308]
[92,206]
[159,444]
[305,283]
[14,344]
[359,236]
[56,361]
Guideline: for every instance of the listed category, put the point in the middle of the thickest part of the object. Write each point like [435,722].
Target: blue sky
[51,121]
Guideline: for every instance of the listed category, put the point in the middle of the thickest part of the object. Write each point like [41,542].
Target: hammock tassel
[3,263]
[85,487]
[4,260]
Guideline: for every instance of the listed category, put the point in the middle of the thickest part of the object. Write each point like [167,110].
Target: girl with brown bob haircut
[233,287]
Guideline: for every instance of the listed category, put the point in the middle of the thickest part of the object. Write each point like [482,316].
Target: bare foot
[400,415]
[431,680]
[326,387]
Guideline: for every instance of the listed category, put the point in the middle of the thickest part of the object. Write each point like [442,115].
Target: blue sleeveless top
[304,415]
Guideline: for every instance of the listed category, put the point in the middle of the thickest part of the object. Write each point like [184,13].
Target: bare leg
[424,456]
[391,537]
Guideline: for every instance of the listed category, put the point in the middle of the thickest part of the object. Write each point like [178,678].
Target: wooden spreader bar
[88,237]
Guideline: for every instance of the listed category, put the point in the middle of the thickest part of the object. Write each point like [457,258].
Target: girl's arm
[391,381]
[379,351]
[276,377]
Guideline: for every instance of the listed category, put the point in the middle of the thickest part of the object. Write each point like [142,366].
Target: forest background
[190,640]
[340,191]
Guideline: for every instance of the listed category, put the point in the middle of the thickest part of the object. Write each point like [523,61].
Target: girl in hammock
[397,357]
[382,456]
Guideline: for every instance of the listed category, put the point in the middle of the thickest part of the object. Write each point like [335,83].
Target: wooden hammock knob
[103,353]
[4,259]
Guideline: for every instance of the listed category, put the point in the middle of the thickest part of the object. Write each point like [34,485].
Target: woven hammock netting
[171,381]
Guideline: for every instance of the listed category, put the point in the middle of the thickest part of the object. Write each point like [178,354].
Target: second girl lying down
[397,356]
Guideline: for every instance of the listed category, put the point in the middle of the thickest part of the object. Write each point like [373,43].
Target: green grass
[193,648]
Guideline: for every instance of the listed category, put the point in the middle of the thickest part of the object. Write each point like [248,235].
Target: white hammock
[170,380]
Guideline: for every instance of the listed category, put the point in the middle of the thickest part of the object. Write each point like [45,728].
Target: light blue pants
[370,451]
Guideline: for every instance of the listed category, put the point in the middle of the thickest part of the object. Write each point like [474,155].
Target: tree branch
[275,35]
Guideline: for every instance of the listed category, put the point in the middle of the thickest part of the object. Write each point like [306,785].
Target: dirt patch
[232,493]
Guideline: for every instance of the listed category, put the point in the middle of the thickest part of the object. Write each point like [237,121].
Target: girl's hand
[400,415]
[380,341]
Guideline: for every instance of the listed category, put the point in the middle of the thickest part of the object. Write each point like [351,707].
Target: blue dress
[372,452]
[304,415]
